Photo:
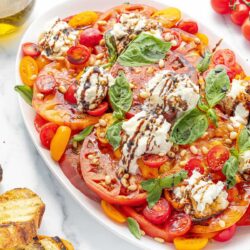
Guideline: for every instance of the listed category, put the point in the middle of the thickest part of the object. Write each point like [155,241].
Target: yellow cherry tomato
[28,70]
[83,19]
[112,212]
[146,171]
[190,243]
[203,38]
[247,78]
[59,142]
[168,17]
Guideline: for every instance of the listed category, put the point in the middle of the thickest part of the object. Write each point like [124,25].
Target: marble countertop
[22,165]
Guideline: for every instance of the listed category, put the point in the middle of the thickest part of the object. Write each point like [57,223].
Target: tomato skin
[221,6]
[239,14]
[226,234]
[31,49]
[154,161]
[90,37]
[232,194]
[159,213]
[47,133]
[78,55]
[245,29]
[69,95]
[177,38]
[46,84]
[245,220]
[194,164]
[189,26]
[225,57]
[39,122]
[217,156]
[100,110]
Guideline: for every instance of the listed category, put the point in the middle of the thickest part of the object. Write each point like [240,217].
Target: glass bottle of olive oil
[13,13]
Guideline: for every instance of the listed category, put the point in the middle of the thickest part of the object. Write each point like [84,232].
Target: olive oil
[13,13]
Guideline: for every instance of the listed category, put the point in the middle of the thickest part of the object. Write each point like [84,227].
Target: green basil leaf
[173,180]
[25,92]
[149,185]
[203,65]
[213,116]
[83,134]
[189,127]
[229,170]
[244,140]
[202,106]
[234,152]
[134,227]
[144,50]
[217,85]
[154,195]
[120,96]
[113,134]
[111,45]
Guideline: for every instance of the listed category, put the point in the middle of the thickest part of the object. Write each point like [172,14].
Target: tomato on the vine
[246,28]
[239,14]
[221,6]
[225,57]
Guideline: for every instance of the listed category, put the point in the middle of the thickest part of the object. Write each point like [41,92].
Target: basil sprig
[144,50]
[154,187]
[134,227]
[204,63]
[189,127]
[25,92]
[83,134]
[244,141]
[111,46]
[113,134]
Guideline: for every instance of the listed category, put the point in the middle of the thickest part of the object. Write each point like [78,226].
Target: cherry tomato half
[226,234]
[47,133]
[239,14]
[159,213]
[69,95]
[39,122]
[194,164]
[90,37]
[46,84]
[189,26]
[176,37]
[217,156]
[225,57]
[245,29]
[100,110]
[154,161]
[221,6]
[31,49]
[233,194]
[78,54]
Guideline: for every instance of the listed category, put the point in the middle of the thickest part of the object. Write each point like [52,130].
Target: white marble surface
[22,165]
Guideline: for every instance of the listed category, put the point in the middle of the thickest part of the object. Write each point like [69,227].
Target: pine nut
[168,37]
[124,182]
[197,40]
[183,163]
[150,70]
[222,223]
[233,135]
[100,56]
[102,122]
[95,161]
[230,127]
[90,156]
[98,62]
[160,240]
[92,60]
[102,134]
[102,42]
[144,94]
[194,150]
[161,63]
[107,179]
[126,176]
[174,42]
[183,152]
[132,187]
[171,154]
[33,77]
[131,85]
[102,22]
[228,141]
[62,89]
[204,150]
[40,96]
[138,70]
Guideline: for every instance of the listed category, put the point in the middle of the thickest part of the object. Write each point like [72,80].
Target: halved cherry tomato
[189,26]
[47,132]
[217,156]
[245,29]
[146,171]
[190,243]
[112,212]
[90,37]
[100,110]
[225,57]
[39,122]
[31,49]
[83,19]
[46,84]
[69,95]
[154,161]
[239,14]
[176,37]
[221,6]
[194,164]
[78,54]
[178,225]
[226,234]
[232,194]
[159,213]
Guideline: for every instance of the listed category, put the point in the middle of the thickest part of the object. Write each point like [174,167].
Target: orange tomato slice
[28,70]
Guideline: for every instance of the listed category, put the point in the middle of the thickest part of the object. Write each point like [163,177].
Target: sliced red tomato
[226,234]
[245,29]
[189,26]
[239,14]
[46,84]
[194,164]
[154,161]
[217,156]
[78,55]
[225,57]
[31,49]
[69,95]
[39,122]
[176,37]
[90,37]
[94,175]
[221,6]
[233,194]
[47,133]
[100,110]
[159,213]
[245,220]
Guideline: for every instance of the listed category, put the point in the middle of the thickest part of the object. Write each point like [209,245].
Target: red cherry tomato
[100,110]
[154,161]
[69,95]
[217,176]
[46,84]
[90,37]
[189,26]
[239,14]
[194,164]
[159,213]
[31,49]
[233,194]
[221,6]
[178,225]
[217,156]
[176,37]
[225,57]
[245,29]
[39,122]
[226,234]
[47,133]
[78,54]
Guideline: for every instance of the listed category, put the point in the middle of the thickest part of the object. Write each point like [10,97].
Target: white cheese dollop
[244,161]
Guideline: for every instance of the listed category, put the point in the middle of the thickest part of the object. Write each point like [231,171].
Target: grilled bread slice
[21,212]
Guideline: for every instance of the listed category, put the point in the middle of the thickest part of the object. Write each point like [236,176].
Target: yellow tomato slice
[146,171]
[28,70]
[112,212]
[83,19]
[204,39]
[190,243]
